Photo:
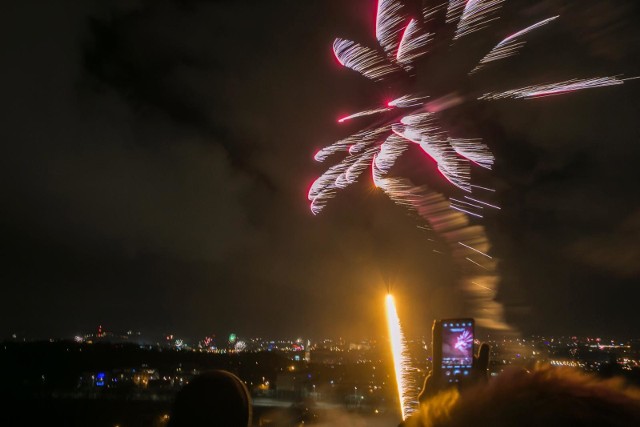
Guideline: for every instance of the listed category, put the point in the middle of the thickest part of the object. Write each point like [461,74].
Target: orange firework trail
[401,361]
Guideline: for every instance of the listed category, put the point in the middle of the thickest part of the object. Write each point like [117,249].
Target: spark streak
[482,203]
[362,59]
[561,88]
[483,287]
[465,203]
[466,211]
[363,114]
[388,25]
[401,361]
[474,249]
[474,150]
[407,101]
[412,44]
[484,188]
[476,16]
[454,10]
[510,45]
[479,265]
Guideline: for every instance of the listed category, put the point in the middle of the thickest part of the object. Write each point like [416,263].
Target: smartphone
[453,349]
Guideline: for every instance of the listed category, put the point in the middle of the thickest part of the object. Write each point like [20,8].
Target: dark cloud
[103,168]
[616,251]
[157,156]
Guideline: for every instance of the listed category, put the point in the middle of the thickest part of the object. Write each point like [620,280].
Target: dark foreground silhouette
[545,397]
[216,398]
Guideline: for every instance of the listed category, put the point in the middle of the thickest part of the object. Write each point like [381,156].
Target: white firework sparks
[412,44]
[454,10]
[363,114]
[476,15]
[551,89]
[389,22]
[402,40]
[510,45]
[362,59]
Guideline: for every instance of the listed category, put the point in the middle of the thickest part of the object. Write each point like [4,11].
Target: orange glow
[401,363]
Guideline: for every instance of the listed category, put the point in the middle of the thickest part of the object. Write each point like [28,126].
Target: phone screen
[457,348]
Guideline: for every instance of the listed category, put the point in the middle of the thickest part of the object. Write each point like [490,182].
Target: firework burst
[415,121]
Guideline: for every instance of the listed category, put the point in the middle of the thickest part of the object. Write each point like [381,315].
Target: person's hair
[546,397]
[216,398]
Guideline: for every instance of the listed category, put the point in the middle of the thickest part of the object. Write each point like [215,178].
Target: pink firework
[402,39]
[464,341]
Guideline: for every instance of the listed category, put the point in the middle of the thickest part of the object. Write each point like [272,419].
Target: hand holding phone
[456,349]
[453,355]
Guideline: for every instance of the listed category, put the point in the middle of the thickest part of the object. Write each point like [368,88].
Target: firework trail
[561,88]
[510,45]
[415,120]
[404,372]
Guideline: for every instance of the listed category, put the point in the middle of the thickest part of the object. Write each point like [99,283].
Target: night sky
[157,154]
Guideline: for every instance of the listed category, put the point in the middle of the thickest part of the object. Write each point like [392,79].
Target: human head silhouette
[216,398]
[545,397]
